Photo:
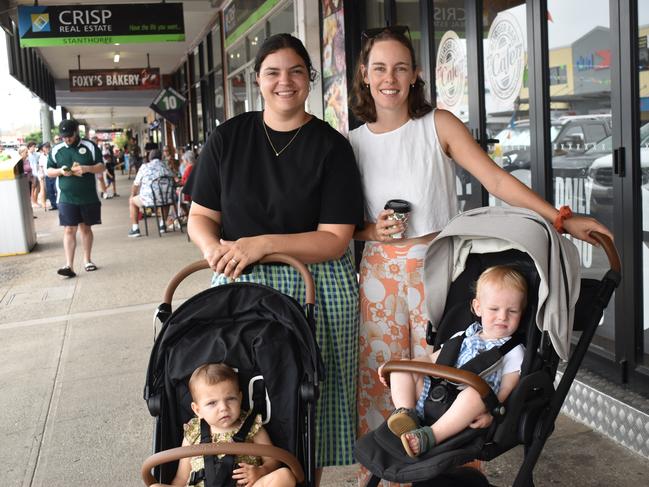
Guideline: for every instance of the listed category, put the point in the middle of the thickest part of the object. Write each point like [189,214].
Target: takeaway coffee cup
[401,213]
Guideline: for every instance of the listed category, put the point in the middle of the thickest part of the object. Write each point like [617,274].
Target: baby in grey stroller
[500,298]
[521,407]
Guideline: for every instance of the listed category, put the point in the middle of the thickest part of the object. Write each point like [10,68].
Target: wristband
[564,213]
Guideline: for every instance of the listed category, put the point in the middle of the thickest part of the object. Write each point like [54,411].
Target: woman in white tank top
[406,151]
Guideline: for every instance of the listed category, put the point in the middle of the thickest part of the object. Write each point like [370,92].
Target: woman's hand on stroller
[241,254]
[483,420]
[581,226]
[213,254]
[247,475]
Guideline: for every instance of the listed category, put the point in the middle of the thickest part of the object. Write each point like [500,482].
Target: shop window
[236,57]
[197,62]
[217,47]
[506,93]
[254,41]
[283,21]
[581,108]
[408,14]
[199,134]
[643,83]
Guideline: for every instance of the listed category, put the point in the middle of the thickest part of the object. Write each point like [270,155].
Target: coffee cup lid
[399,206]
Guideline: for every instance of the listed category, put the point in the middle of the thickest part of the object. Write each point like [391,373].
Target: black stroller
[557,299]
[269,339]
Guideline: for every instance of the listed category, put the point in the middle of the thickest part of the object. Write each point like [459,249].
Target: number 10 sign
[170,104]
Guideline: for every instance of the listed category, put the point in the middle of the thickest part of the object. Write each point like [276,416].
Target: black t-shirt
[314,180]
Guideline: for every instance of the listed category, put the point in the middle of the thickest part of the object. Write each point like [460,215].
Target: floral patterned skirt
[393,323]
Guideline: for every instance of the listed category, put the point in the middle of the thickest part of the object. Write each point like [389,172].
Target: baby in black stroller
[269,339]
[216,401]
[501,295]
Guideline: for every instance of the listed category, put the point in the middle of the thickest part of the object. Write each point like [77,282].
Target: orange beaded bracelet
[564,213]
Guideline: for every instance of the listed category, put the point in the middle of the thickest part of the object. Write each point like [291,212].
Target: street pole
[46,122]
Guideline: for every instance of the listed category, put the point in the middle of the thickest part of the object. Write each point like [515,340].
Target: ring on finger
[234,261]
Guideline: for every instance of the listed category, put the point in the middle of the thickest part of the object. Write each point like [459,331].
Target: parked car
[600,177]
[577,164]
[571,136]
[514,145]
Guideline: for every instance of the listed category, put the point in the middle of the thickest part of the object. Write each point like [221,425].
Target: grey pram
[559,301]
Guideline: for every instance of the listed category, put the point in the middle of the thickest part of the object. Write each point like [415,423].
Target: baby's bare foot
[413,442]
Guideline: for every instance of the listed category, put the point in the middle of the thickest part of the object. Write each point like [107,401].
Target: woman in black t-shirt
[283,181]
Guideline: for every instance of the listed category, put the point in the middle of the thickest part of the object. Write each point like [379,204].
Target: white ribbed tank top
[407,163]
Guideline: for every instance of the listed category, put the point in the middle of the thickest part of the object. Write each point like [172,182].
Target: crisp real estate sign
[115,79]
[170,104]
[73,25]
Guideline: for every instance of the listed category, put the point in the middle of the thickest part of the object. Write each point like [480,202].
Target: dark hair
[212,374]
[284,41]
[31,143]
[361,101]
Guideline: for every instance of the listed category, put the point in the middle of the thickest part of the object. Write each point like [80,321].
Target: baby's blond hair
[503,276]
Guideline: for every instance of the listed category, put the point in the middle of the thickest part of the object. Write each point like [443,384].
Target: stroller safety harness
[218,471]
[443,392]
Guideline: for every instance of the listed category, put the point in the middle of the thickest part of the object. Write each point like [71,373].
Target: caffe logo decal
[506,59]
[450,73]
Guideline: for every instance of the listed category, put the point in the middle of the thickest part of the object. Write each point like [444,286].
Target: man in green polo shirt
[74,162]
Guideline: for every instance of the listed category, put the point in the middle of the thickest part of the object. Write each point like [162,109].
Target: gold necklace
[277,153]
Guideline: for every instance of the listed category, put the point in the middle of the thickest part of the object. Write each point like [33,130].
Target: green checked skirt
[337,321]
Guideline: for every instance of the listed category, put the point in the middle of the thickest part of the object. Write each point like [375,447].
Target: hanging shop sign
[73,25]
[170,104]
[115,79]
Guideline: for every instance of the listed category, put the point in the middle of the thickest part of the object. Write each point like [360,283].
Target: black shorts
[71,215]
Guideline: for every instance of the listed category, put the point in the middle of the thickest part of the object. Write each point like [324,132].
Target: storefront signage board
[74,25]
[114,79]
[239,17]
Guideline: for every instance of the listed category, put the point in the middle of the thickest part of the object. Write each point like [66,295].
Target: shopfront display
[548,94]
[557,98]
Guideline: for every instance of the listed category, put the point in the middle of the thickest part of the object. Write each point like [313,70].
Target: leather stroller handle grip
[441,371]
[251,449]
[271,258]
[609,247]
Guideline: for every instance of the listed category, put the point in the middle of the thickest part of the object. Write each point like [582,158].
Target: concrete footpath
[74,357]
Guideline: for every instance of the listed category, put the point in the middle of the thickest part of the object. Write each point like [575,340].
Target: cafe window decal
[505,59]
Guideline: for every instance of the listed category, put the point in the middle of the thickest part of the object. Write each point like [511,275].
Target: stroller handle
[609,247]
[271,258]
[251,449]
[442,371]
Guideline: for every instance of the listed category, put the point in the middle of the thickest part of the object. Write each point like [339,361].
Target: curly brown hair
[361,101]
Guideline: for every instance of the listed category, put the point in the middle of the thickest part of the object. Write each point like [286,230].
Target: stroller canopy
[555,257]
